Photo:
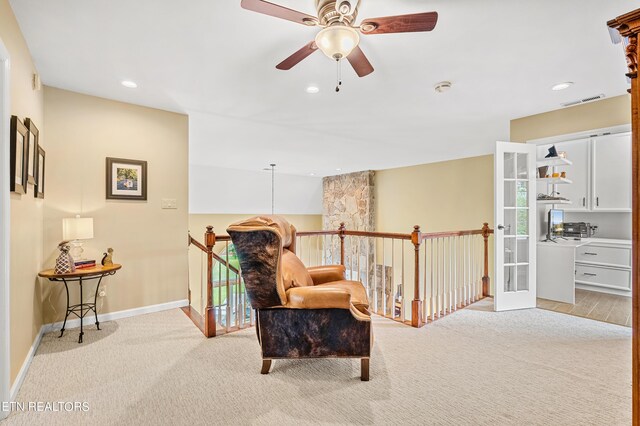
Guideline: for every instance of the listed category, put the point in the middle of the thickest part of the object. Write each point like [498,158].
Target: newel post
[486,283]
[341,232]
[628,26]
[416,304]
[209,315]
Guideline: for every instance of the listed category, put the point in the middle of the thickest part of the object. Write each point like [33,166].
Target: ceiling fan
[340,38]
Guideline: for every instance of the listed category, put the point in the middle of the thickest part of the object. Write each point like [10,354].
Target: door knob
[500,227]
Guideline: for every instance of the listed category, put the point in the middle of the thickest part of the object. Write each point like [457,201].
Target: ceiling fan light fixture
[337,41]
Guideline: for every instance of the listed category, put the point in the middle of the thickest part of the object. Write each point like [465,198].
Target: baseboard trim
[25,365]
[111,316]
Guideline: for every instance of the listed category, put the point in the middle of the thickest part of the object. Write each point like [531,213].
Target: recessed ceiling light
[338,170]
[313,89]
[312,174]
[129,84]
[562,86]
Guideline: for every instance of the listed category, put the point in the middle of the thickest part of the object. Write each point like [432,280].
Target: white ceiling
[216,62]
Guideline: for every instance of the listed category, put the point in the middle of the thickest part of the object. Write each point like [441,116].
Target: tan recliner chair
[300,312]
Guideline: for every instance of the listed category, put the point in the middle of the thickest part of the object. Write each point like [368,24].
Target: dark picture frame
[38,189]
[17,162]
[126,179]
[32,150]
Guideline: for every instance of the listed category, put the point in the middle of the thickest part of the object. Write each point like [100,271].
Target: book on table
[85,264]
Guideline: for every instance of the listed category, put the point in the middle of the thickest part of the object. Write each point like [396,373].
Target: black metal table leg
[81,311]
[66,287]
[95,302]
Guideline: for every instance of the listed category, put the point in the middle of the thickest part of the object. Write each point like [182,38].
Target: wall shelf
[553,201]
[553,161]
[555,181]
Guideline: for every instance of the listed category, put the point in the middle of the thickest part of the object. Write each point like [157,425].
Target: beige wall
[26,211]
[151,243]
[595,115]
[446,196]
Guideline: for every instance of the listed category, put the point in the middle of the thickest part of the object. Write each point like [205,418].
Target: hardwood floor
[594,305]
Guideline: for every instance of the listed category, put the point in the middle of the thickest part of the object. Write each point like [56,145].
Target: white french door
[515,221]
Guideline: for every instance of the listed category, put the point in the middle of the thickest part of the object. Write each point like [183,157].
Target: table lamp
[76,229]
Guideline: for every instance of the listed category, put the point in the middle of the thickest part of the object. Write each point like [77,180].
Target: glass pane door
[515,215]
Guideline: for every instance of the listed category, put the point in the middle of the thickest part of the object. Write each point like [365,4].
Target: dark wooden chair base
[266,366]
[364,369]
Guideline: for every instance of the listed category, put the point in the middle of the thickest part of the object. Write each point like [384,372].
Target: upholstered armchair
[300,312]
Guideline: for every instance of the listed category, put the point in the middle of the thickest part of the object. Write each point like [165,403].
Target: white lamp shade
[337,41]
[77,228]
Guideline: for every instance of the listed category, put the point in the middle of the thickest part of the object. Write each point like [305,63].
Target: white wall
[610,225]
[216,190]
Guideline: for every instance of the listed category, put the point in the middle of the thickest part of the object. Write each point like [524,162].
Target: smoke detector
[443,86]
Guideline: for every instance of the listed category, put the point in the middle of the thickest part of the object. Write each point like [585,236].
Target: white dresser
[597,264]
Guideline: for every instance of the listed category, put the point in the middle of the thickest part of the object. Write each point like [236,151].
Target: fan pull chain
[339,75]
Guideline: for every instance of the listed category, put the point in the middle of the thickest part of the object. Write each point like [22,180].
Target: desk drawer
[619,256]
[604,277]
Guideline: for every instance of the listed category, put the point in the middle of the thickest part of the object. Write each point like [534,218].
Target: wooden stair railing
[450,270]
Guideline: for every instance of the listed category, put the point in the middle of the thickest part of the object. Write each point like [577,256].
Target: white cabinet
[611,173]
[578,192]
[604,266]
[595,264]
[603,277]
[600,173]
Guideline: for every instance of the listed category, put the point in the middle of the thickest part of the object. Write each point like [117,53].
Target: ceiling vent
[584,101]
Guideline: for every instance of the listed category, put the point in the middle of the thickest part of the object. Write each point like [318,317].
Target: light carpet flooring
[474,367]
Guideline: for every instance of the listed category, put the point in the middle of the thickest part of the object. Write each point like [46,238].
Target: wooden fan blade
[297,57]
[400,24]
[359,62]
[277,11]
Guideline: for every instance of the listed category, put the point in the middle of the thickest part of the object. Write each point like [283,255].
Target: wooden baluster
[229,291]
[455,274]
[445,275]
[425,313]
[440,276]
[451,276]
[392,290]
[402,291]
[486,283]
[209,317]
[341,231]
[375,274]
[359,240]
[384,281]
[416,304]
[433,278]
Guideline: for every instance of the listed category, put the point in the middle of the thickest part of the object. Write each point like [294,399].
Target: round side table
[81,309]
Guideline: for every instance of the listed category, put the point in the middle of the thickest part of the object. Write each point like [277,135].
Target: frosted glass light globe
[337,41]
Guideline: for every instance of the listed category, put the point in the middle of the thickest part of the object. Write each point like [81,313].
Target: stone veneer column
[349,198]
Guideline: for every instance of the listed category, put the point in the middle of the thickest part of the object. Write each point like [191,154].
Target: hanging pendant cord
[273,190]
[339,74]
